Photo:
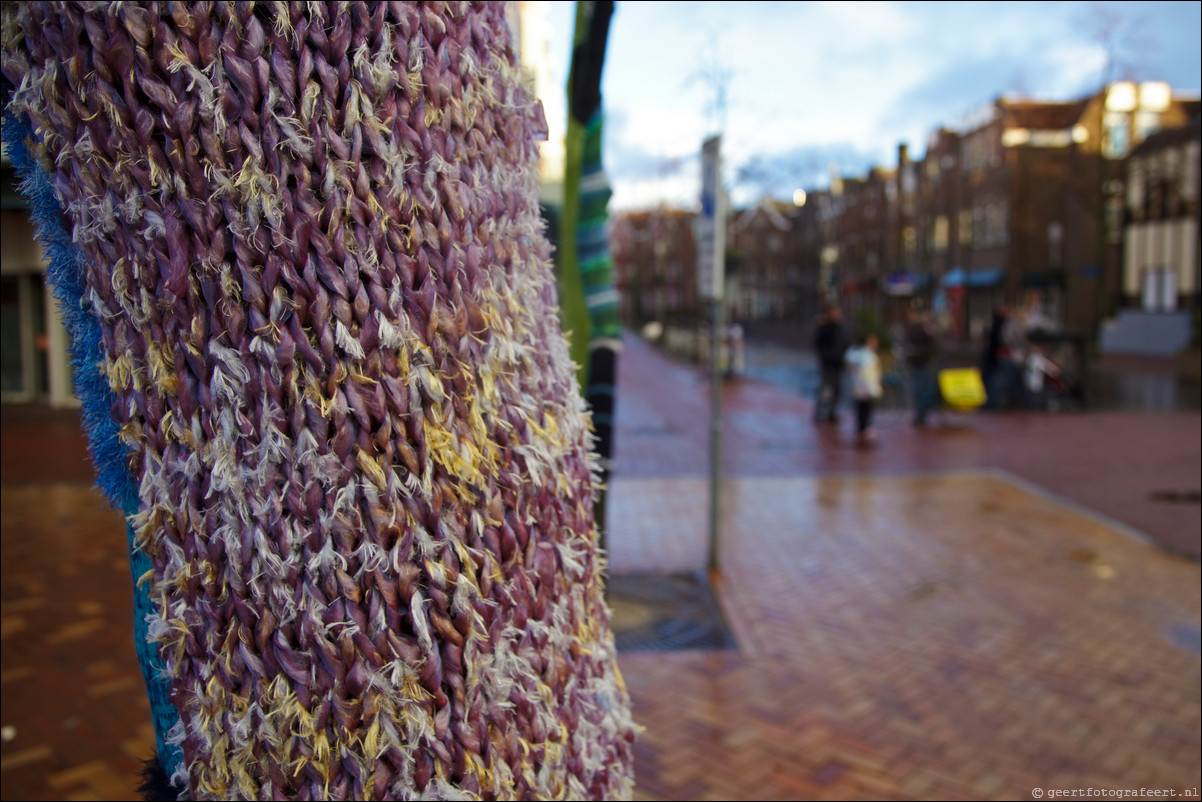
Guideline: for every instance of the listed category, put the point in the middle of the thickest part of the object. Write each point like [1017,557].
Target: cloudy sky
[811,85]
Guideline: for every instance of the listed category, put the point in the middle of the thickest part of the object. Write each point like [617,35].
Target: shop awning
[904,282]
[977,277]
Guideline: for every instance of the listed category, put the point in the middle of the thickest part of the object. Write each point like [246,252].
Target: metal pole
[714,281]
[718,318]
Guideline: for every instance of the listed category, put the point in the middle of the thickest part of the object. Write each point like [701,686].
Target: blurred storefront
[34,362]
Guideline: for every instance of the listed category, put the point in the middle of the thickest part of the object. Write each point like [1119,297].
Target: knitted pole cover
[312,247]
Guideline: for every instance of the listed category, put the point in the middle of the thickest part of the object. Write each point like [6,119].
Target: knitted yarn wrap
[329,323]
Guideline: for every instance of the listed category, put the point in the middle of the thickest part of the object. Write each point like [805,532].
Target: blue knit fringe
[66,274]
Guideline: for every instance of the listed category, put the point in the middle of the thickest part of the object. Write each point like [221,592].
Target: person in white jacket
[865,367]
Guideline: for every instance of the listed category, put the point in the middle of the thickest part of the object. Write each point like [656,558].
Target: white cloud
[1078,67]
[670,132]
[864,75]
[681,190]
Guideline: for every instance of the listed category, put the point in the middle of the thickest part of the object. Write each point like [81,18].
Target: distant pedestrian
[866,389]
[991,356]
[921,349]
[830,343]
[1012,361]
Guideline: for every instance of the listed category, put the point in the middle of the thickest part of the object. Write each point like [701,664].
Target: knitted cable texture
[329,326]
[66,272]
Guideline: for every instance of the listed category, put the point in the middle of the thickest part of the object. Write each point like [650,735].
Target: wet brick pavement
[967,611]
[1115,463]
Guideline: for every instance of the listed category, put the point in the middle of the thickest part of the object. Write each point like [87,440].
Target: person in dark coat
[994,353]
[921,349]
[830,344]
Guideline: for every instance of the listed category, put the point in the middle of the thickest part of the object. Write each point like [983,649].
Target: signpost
[711,250]
[711,234]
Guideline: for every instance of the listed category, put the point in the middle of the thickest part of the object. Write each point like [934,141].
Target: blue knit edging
[65,273]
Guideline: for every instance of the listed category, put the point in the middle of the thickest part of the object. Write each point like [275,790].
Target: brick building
[764,273]
[1160,281]
[1023,203]
[1160,270]
[655,265]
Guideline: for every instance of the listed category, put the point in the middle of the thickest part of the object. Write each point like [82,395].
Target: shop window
[1160,290]
[12,362]
[24,345]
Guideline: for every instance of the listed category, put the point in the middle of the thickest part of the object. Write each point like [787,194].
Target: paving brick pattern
[973,610]
[1112,463]
[925,637]
[77,722]
[968,611]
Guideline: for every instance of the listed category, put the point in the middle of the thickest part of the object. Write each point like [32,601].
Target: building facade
[1024,204]
[1160,266]
[1161,259]
[655,266]
[763,272]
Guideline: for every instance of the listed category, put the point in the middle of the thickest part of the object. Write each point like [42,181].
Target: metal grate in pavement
[666,612]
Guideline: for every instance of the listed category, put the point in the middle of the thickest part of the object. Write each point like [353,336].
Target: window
[1172,170]
[939,234]
[1055,243]
[1114,219]
[1189,175]
[26,356]
[1116,141]
[1135,187]
[979,231]
[1160,290]
[1146,124]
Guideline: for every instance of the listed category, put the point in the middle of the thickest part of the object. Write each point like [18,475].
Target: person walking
[921,348]
[865,365]
[994,353]
[830,343]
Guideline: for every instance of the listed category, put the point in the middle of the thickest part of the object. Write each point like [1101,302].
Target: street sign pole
[711,278]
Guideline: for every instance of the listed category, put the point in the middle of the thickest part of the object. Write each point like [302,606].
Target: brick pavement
[963,612]
[968,611]
[1118,464]
[75,713]
[887,650]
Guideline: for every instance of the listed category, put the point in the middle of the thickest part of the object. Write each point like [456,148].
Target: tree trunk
[305,239]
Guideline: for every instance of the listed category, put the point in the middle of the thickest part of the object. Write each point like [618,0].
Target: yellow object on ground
[962,388]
